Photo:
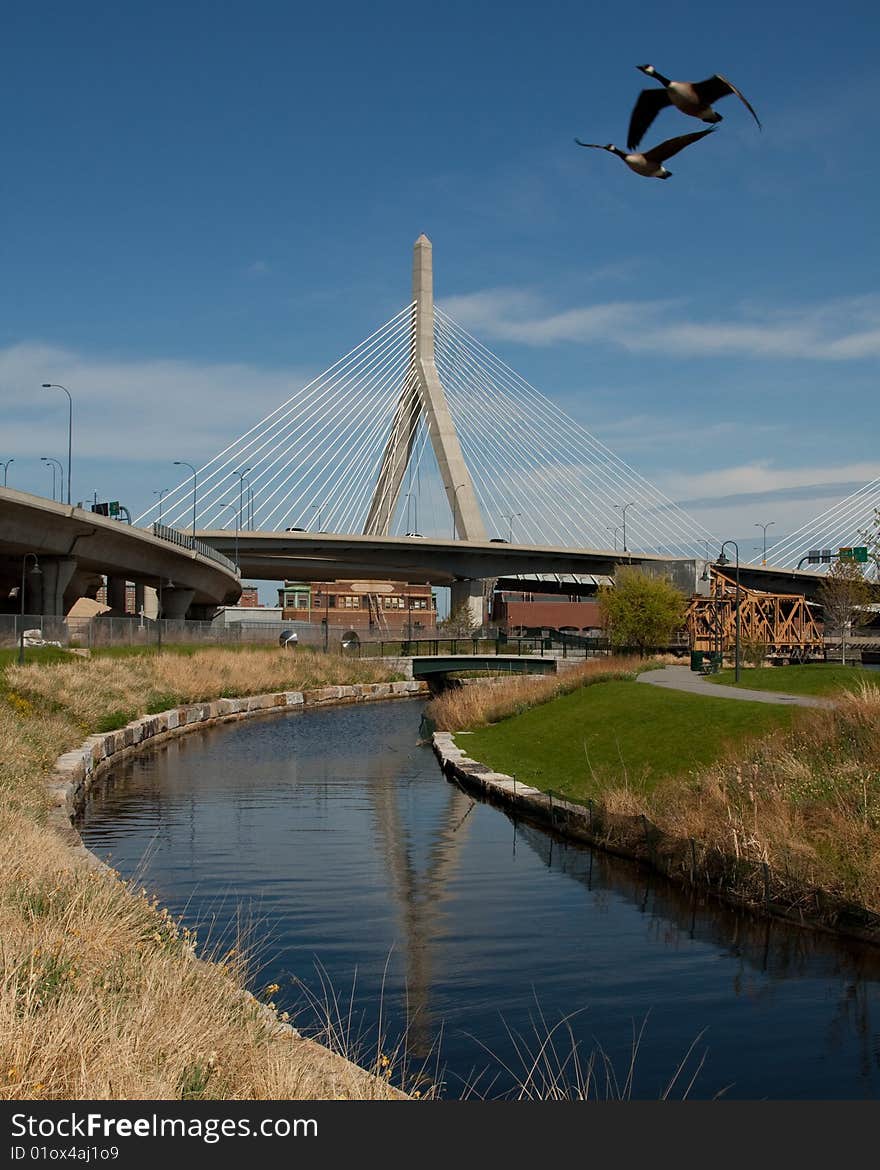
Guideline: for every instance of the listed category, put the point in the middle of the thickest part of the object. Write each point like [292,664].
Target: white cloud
[763,478]
[138,410]
[846,329]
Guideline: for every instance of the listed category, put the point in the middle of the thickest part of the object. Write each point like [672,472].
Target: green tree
[641,611]
[461,623]
[843,595]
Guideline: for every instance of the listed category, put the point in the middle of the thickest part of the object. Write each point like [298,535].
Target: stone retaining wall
[686,861]
[75,772]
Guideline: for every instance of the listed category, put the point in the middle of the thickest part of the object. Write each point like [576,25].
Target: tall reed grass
[466,707]
[805,801]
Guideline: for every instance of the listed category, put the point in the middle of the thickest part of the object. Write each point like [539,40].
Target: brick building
[530,613]
[365,606]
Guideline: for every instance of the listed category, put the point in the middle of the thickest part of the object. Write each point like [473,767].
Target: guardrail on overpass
[184,540]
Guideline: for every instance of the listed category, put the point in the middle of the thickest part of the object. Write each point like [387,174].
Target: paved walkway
[682,678]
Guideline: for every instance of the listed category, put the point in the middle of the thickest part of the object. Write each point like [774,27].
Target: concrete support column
[469,594]
[116,594]
[175,602]
[138,598]
[151,602]
[56,576]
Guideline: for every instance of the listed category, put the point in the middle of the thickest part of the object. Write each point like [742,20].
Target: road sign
[859,554]
[111,508]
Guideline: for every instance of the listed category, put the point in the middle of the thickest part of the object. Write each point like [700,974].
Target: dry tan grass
[806,801]
[99,998]
[463,708]
[99,994]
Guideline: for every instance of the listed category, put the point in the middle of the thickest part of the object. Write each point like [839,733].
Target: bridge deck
[493,663]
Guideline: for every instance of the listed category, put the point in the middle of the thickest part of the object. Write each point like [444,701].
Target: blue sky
[204,205]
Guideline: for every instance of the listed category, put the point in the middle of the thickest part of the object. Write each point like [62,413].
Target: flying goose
[650,164]
[691,97]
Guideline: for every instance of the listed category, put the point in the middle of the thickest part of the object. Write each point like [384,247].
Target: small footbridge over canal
[436,666]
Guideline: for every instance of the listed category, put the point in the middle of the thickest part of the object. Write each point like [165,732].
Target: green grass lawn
[9,657]
[812,678]
[616,732]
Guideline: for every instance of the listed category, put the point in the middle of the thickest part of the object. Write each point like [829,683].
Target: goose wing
[716,87]
[648,105]
[672,146]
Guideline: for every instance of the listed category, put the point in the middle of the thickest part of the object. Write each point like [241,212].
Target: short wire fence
[104,631]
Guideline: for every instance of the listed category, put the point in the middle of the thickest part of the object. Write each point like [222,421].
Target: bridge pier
[57,573]
[175,602]
[469,595]
[116,595]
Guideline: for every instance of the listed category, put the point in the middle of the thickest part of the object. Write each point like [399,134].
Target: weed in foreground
[551,1064]
[333,1020]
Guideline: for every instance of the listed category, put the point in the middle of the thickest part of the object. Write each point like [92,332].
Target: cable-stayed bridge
[421,405]
[851,522]
[417,455]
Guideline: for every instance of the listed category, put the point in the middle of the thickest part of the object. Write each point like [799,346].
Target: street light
[623,508]
[183,463]
[241,474]
[54,462]
[160,492]
[723,560]
[57,386]
[510,516]
[6,469]
[454,495]
[318,508]
[36,571]
[615,531]
[765,527]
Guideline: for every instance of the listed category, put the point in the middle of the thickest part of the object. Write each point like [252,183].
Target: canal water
[445,928]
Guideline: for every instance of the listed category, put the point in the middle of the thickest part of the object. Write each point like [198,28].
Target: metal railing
[186,540]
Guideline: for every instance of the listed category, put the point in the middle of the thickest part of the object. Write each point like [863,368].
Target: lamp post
[723,560]
[54,463]
[250,508]
[326,616]
[510,516]
[765,527]
[623,508]
[241,474]
[57,386]
[6,469]
[35,571]
[183,463]
[615,532]
[318,508]
[454,496]
[160,492]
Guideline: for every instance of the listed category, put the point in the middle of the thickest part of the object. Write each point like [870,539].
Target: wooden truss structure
[782,622]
